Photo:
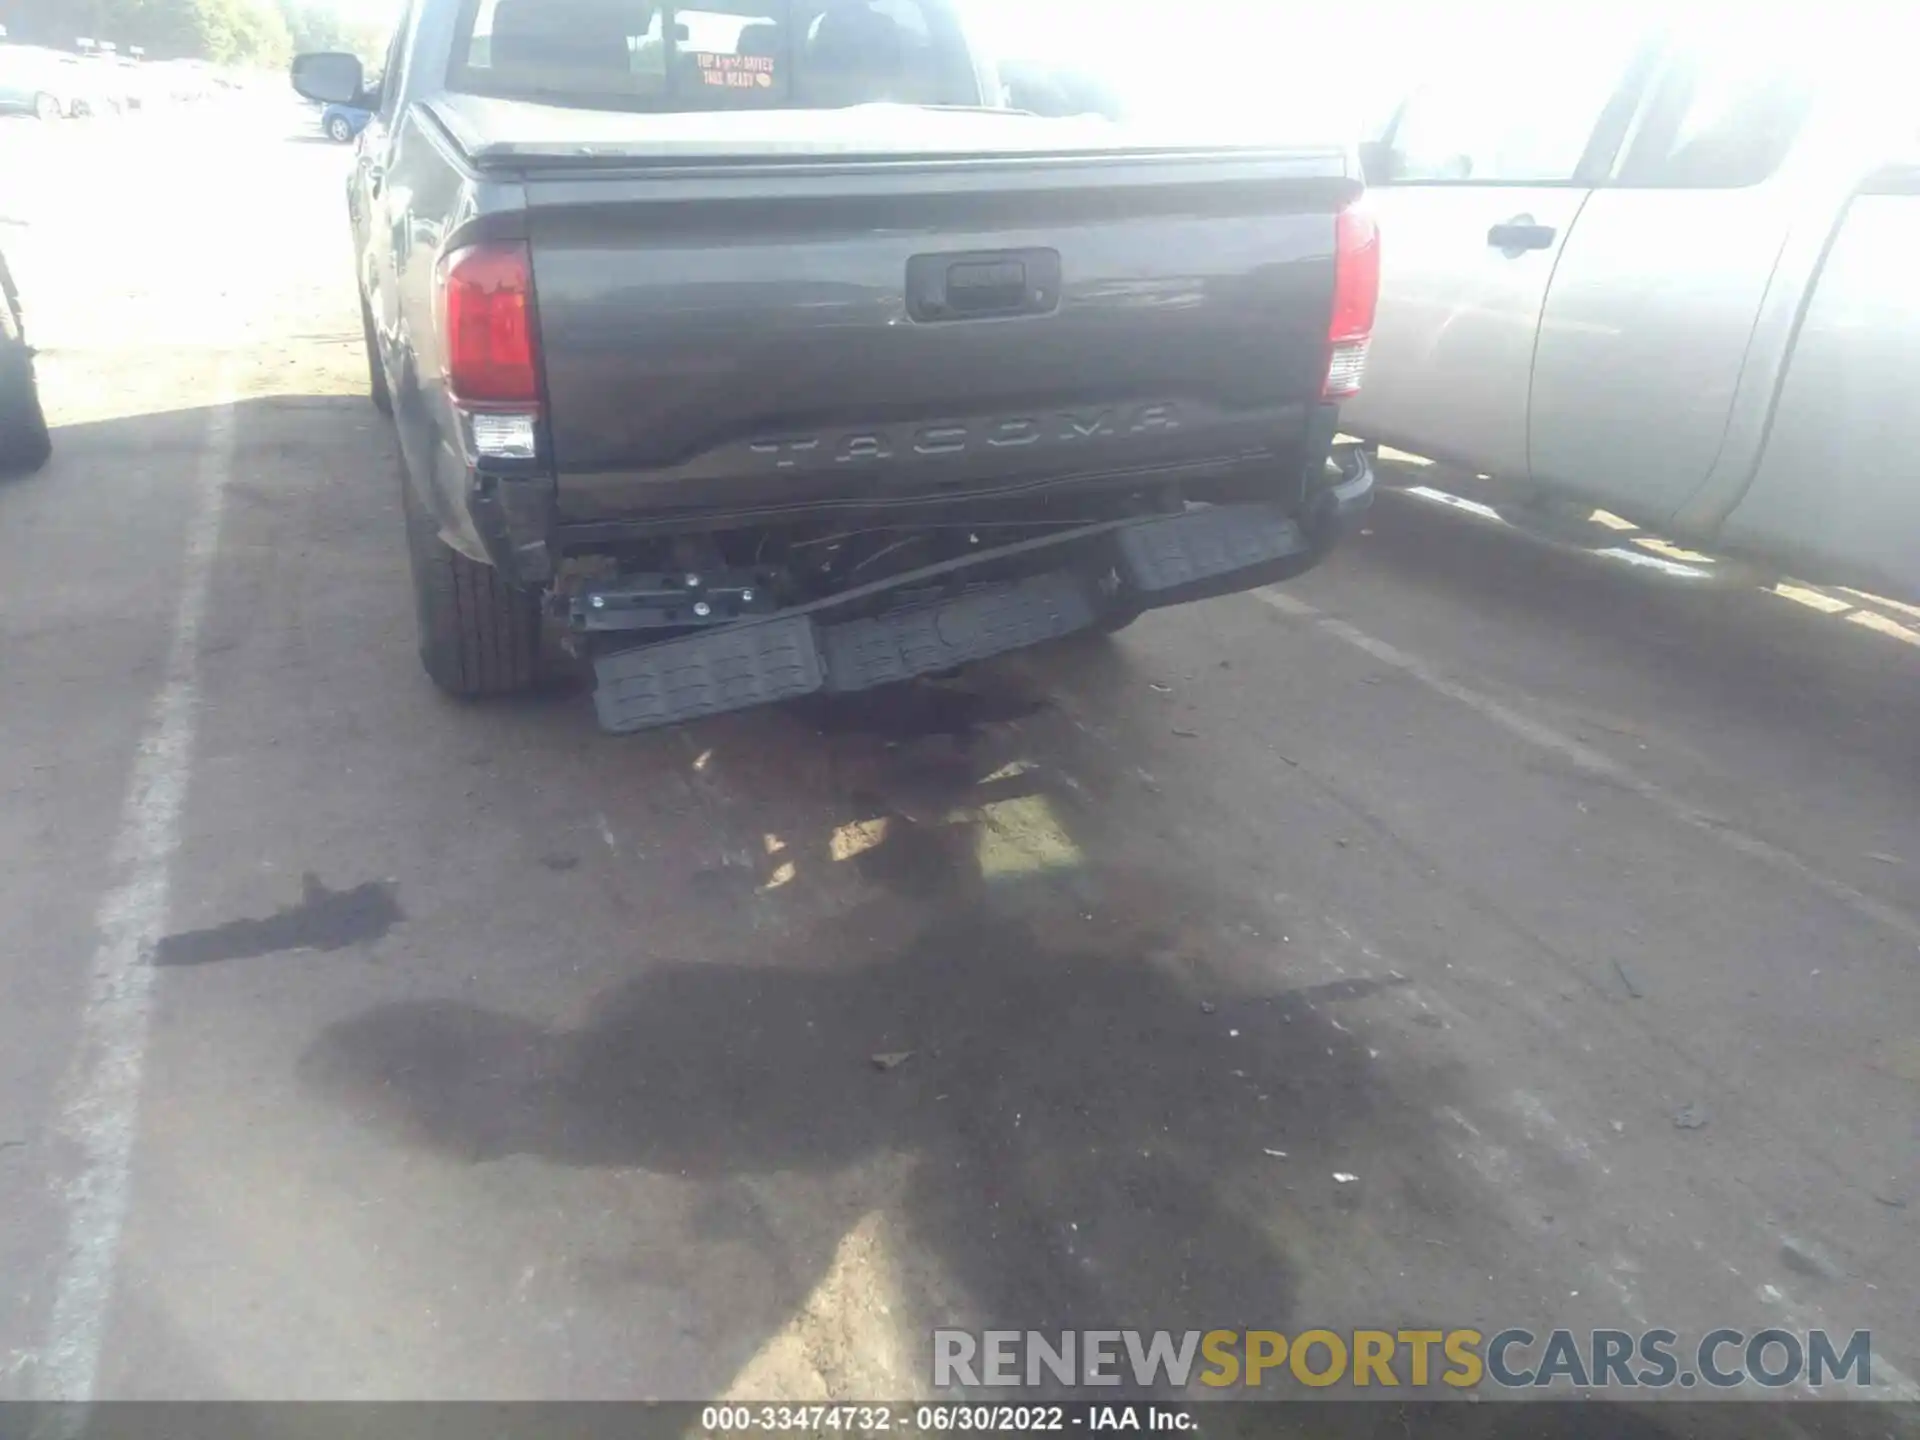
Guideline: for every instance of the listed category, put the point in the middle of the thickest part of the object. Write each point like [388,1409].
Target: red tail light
[487,300]
[1356,294]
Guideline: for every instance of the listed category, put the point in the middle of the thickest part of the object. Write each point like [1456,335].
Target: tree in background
[228,32]
[318,27]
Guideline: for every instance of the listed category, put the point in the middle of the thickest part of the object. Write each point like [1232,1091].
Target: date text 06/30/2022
[944,1417]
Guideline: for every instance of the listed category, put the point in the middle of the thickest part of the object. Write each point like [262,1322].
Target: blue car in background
[343,123]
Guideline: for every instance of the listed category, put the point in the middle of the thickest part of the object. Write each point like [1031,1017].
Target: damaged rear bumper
[932,620]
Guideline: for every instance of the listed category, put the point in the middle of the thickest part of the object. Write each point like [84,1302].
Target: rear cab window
[1481,120]
[1465,134]
[654,55]
[1717,121]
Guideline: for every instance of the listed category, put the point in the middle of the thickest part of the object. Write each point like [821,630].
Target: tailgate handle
[979,285]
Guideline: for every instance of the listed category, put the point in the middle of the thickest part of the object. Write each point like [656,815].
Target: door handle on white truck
[1521,234]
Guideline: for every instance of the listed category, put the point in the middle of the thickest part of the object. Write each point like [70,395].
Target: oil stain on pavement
[1084,1130]
[324,920]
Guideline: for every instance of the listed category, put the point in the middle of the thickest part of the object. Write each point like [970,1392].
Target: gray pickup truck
[753,348]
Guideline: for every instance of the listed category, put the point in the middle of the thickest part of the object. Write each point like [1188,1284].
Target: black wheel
[25,444]
[376,372]
[1116,619]
[46,107]
[338,129]
[479,636]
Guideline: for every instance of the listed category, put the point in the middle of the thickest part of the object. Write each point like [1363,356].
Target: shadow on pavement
[1092,1125]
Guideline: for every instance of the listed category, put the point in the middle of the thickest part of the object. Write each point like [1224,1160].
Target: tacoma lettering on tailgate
[960,437]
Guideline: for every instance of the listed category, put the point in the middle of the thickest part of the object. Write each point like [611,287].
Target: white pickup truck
[1676,277]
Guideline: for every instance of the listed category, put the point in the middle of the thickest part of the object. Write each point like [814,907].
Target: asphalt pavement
[360,1044]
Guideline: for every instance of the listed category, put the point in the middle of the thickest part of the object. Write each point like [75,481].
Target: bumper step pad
[732,669]
[862,654]
[1163,562]
[758,664]
[1185,551]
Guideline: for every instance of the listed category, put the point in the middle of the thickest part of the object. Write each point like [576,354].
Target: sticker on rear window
[735,72]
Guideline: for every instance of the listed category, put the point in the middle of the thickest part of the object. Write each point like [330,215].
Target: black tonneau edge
[492,155]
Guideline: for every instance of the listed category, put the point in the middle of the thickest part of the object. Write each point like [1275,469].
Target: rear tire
[376,372]
[25,443]
[339,131]
[479,636]
[46,107]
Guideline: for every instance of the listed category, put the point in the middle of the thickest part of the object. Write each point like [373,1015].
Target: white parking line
[103,1097]
[1594,762]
